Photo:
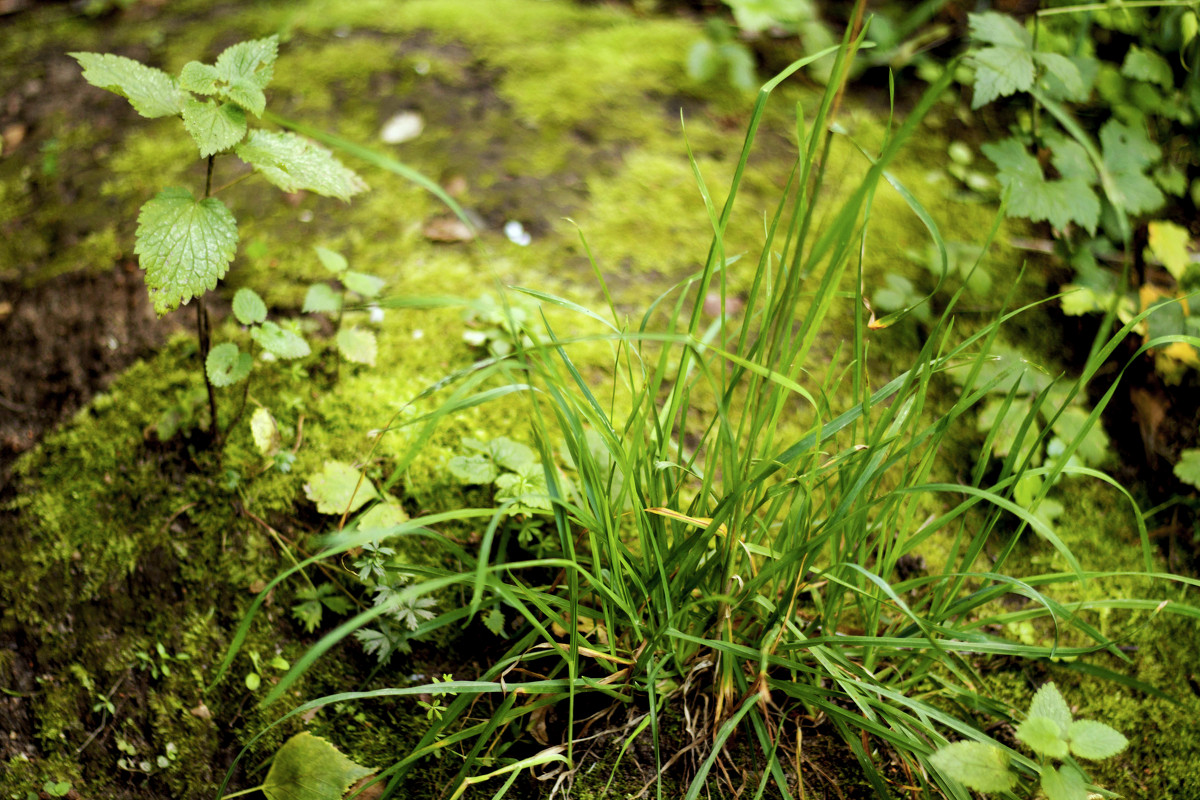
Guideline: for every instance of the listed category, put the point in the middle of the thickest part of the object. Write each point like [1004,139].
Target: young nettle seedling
[185,244]
[1048,730]
[355,344]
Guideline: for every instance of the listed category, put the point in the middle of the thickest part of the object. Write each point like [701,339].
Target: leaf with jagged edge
[1059,202]
[309,768]
[293,164]
[357,345]
[152,92]
[226,365]
[1147,65]
[1188,467]
[279,341]
[1042,736]
[1127,152]
[321,299]
[253,61]
[1006,65]
[248,307]
[184,245]
[1048,702]
[214,127]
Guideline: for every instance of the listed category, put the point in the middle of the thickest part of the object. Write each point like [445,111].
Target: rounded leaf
[309,768]
[1043,736]
[248,307]
[1064,783]
[280,342]
[357,345]
[1095,740]
[362,283]
[264,430]
[226,365]
[321,299]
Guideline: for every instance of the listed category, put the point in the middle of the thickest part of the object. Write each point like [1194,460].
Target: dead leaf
[201,712]
[13,135]
[372,792]
[448,229]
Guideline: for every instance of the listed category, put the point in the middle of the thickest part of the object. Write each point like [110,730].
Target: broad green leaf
[248,307]
[293,164]
[1008,426]
[976,765]
[246,95]
[226,365]
[1006,65]
[309,768]
[321,298]
[151,92]
[1095,740]
[474,470]
[252,61]
[1094,448]
[511,455]
[332,260]
[1127,152]
[1147,65]
[1050,704]
[264,431]
[215,127]
[1043,737]
[337,488]
[1065,72]
[382,516]
[357,345]
[1168,243]
[199,78]
[1064,783]
[367,285]
[184,246]
[1059,202]
[1188,467]
[280,342]
[999,29]
[527,488]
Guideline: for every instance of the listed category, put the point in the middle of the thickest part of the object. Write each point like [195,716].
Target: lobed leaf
[248,307]
[1188,467]
[184,246]
[1146,65]
[1059,202]
[152,92]
[293,164]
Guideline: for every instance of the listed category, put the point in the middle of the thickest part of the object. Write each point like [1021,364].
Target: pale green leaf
[1065,72]
[337,488]
[1049,703]
[252,61]
[1146,65]
[246,95]
[494,620]
[293,164]
[253,681]
[367,285]
[1064,783]
[475,470]
[280,342]
[1095,740]
[226,365]
[199,78]
[264,431]
[151,92]
[1059,202]
[1168,243]
[382,516]
[309,768]
[1127,152]
[527,489]
[1001,71]
[248,307]
[215,127]
[1043,737]
[1188,467]
[511,455]
[976,765]
[1094,448]
[332,260]
[321,298]
[994,28]
[184,246]
[357,345]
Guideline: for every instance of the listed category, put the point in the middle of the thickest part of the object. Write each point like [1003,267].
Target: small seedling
[158,662]
[499,327]
[433,707]
[254,677]
[356,344]
[1049,731]
[56,788]
[185,244]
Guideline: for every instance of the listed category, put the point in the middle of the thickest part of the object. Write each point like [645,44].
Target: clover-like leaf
[151,92]
[214,126]
[321,299]
[1043,736]
[309,768]
[279,341]
[184,246]
[226,365]
[338,488]
[1063,783]
[1095,740]
[976,765]
[248,307]
[357,345]
[367,285]
[293,163]
[264,431]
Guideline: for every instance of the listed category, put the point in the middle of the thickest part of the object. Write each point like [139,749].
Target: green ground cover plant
[731,539]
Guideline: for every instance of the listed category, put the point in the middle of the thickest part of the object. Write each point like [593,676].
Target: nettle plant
[1050,731]
[186,243]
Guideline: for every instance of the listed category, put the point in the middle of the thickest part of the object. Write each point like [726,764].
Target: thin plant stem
[204,334]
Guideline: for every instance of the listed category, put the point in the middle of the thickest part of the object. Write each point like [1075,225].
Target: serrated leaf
[367,285]
[1095,740]
[1059,202]
[184,246]
[1168,242]
[321,298]
[332,260]
[1146,65]
[1049,703]
[199,78]
[248,307]
[246,95]
[1187,469]
[264,431]
[494,621]
[1043,737]
[226,365]
[309,768]
[214,127]
[1064,783]
[1127,152]
[293,164]
[1001,71]
[473,470]
[279,341]
[337,488]
[253,61]
[994,28]
[976,765]
[151,92]
[357,345]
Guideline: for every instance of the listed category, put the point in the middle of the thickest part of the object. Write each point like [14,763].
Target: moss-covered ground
[131,555]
